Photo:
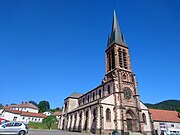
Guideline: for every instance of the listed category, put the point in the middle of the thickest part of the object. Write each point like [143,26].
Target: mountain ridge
[171,104]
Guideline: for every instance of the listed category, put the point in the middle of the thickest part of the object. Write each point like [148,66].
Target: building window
[144,118]
[125,59]
[109,91]
[93,96]
[113,60]
[120,58]
[172,125]
[23,118]
[108,114]
[15,118]
[88,99]
[99,93]
[162,125]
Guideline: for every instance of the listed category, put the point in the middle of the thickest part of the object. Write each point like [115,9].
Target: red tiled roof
[12,111]
[23,105]
[57,113]
[33,114]
[26,113]
[164,115]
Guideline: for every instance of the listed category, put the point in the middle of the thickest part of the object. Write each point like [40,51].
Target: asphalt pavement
[53,132]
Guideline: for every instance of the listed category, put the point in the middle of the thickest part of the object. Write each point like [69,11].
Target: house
[58,115]
[24,112]
[165,121]
[115,103]
[24,106]
[22,116]
[47,113]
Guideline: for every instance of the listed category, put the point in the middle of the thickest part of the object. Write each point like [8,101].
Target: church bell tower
[117,51]
[118,69]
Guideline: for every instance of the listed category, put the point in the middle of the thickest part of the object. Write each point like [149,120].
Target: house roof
[23,105]
[22,113]
[164,115]
[12,111]
[58,113]
[41,115]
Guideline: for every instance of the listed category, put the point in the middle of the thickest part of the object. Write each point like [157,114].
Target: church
[115,104]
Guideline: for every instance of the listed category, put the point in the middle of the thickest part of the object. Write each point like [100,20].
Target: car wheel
[22,133]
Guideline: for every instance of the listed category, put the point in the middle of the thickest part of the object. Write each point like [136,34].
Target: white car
[13,128]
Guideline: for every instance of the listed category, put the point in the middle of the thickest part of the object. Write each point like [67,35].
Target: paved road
[53,132]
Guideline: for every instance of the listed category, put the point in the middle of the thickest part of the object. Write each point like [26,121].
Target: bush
[36,125]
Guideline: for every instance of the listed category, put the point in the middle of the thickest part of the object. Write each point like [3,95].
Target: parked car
[17,128]
[2,121]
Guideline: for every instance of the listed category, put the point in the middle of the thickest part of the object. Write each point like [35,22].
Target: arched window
[109,92]
[93,96]
[88,99]
[99,93]
[144,118]
[108,114]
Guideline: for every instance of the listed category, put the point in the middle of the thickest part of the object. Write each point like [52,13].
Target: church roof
[164,115]
[75,95]
[116,36]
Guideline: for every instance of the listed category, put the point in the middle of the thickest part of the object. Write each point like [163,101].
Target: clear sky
[52,48]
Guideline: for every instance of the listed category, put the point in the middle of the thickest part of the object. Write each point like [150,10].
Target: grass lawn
[36,125]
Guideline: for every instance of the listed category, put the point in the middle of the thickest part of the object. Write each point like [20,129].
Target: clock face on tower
[127,93]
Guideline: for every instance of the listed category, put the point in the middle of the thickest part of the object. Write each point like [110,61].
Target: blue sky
[52,48]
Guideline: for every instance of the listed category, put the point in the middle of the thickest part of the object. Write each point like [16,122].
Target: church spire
[115,36]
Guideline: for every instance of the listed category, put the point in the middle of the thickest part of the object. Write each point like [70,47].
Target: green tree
[43,106]
[56,109]
[1,106]
[178,109]
[33,102]
[49,121]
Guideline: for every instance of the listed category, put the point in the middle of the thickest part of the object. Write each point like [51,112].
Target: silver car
[13,128]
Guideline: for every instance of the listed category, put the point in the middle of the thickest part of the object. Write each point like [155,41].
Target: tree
[1,106]
[178,109]
[43,106]
[33,102]
[49,121]
[56,109]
